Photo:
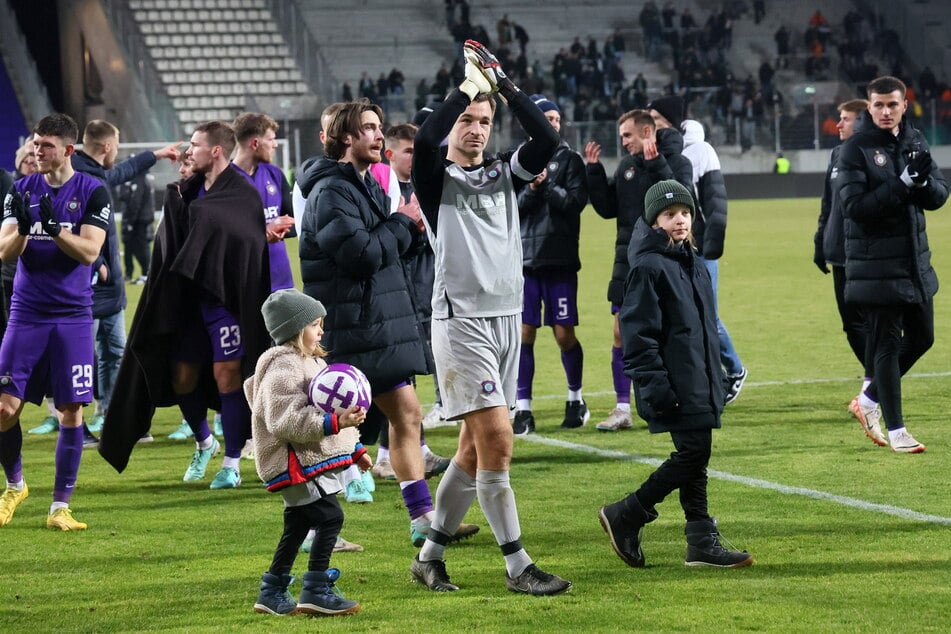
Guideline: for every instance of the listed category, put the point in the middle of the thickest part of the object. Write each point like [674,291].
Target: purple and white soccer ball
[338,387]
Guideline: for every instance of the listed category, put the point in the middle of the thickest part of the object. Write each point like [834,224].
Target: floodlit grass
[161,554]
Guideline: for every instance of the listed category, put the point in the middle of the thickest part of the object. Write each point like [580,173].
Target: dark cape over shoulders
[210,246]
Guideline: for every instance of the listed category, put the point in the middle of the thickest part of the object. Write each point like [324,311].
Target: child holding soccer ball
[298,451]
[672,354]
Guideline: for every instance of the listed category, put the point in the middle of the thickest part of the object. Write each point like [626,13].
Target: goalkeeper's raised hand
[475,83]
[483,59]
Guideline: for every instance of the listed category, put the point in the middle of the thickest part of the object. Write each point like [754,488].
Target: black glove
[919,167]
[50,225]
[19,208]
[491,69]
[819,257]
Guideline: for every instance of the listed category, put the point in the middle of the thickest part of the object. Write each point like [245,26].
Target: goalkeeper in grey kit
[470,210]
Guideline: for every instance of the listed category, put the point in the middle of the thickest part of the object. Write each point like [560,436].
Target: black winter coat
[669,330]
[551,215]
[352,259]
[888,260]
[623,198]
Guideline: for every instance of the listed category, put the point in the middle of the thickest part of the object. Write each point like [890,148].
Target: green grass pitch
[848,537]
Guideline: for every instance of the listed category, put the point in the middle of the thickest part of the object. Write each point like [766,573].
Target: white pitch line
[887,509]
[748,384]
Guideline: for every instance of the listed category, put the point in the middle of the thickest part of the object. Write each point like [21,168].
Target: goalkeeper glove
[475,82]
[490,68]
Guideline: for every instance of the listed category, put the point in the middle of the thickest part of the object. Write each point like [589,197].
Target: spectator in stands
[759,11]
[366,88]
[927,84]
[505,31]
[521,36]
[781,37]
[653,30]
[347,92]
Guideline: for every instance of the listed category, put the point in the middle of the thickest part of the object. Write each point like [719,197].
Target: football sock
[498,504]
[573,362]
[235,421]
[416,497]
[523,405]
[622,384]
[69,451]
[866,401]
[526,372]
[454,496]
[11,445]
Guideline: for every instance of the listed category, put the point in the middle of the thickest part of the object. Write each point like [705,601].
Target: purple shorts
[218,337]
[558,291]
[48,356]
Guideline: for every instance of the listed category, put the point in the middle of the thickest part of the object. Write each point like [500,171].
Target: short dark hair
[58,125]
[401,132]
[854,106]
[348,120]
[248,125]
[640,117]
[219,133]
[885,85]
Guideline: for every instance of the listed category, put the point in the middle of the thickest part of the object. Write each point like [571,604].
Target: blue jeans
[110,345]
[728,356]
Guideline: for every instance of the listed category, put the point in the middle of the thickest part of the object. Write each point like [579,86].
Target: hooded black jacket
[352,259]
[671,347]
[888,260]
[623,198]
[551,215]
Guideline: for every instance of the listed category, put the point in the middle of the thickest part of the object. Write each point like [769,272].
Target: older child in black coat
[672,354]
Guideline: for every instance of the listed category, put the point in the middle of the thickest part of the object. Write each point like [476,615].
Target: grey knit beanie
[662,195]
[287,311]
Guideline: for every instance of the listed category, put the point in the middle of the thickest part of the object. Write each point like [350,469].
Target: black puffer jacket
[623,198]
[669,330]
[830,234]
[551,215]
[352,254]
[888,260]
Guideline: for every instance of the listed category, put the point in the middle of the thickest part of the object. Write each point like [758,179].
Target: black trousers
[136,244]
[898,336]
[686,470]
[853,322]
[326,517]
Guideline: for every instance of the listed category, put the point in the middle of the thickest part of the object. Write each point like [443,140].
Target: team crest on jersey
[629,173]
[880,159]
[492,174]
[271,189]
[73,205]
[552,166]
[488,387]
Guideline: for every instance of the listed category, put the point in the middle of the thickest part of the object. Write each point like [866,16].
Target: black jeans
[853,322]
[686,470]
[898,336]
[326,517]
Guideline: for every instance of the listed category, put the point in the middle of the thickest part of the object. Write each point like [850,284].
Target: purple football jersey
[49,285]
[269,180]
